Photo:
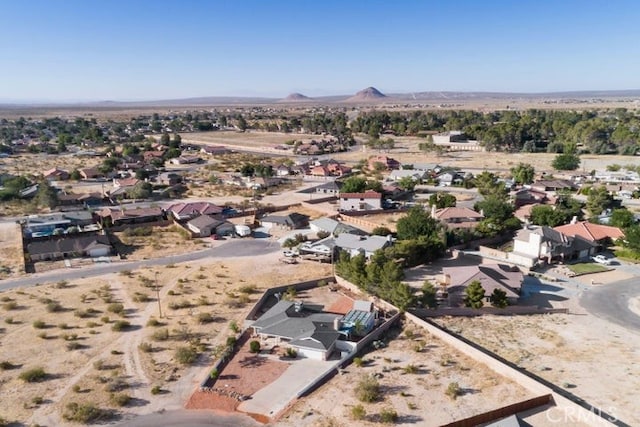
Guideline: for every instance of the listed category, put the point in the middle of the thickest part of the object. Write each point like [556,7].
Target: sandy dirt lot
[85,361]
[10,250]
[591,358]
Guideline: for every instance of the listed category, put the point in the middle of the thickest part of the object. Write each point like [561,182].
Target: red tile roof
[591,232]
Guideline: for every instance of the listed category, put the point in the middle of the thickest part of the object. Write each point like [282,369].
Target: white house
[367,201]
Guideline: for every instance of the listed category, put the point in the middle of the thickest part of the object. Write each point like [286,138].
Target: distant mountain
[367,95]
[296,97]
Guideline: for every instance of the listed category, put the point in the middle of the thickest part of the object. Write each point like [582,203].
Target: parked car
[290,254]
[601,259]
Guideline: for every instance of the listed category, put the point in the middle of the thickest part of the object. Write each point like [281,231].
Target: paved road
[233,248]
[611,302]
[184,418]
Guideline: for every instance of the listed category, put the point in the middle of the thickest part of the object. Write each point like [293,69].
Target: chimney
[433,211]
[336,323]
[574,220]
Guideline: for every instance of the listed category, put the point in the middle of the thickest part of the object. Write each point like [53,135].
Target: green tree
[141,190]
[566,162]
[632,238]
[598,200]
[353,184]
[524,173]
[488,186]
[381,231]
[165,139]
[499,298]
[47,196]
[416,223]
[442,200]
[622,218]
[547,215]
[75,175]
[428,298]
[474,295]
[407,183]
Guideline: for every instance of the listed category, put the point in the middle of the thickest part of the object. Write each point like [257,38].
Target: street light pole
[158,296]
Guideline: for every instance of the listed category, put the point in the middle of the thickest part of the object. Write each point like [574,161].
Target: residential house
[447,179]
[169,178]
[491,276]
[544,243]
[125,182]
[214,150]
[149,156]
[119,216]
[302,326]
[90,173]
[187,211]
[528,196]
[456,140]
[60,223]
[457,217]
[600,235]
[367,201]
[205,226]
[365,245]
[70,247]
[56,174]
[329,188]
[282,170]
[334,227]
[553,185]
[185,160]
[291,221]
[415,175]
[87,200]
[387,163]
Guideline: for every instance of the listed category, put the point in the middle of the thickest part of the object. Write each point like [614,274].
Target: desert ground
[90,356]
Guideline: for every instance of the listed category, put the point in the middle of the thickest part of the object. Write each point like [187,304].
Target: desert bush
[5,365]
[37,400]
[10,305]
[99,365]
[140,297]
[453,390]
[254,346]
[410,369]
[61,284]
[291,352]
[119,399]
[154,322]
[145,347]
[160,335]
[177,305]
[205,318]
[233,325]
[358,412]
[186,355]
[39,324]
[247,289]
[120,325]
[82,314]
[358,361]
[105,319]
[63,326]
[92,324]
[203,300]
[73,345]
[156,390]
[76,388]
[388,416]
[9,321]
[85,413]
[42,335]
[368,389]
[116,308]
[33,375]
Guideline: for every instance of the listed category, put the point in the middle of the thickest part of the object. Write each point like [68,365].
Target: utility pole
[158,296]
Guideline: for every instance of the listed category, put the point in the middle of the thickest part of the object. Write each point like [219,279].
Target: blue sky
[66,50]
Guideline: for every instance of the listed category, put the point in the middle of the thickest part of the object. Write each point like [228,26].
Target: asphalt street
[233,248]
[611,302]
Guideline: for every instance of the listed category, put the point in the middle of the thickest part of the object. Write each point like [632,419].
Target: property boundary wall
[503,412]
[472,312]
[566,403]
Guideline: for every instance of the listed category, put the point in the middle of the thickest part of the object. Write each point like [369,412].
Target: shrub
[81,313]
[11,305]
[145,347]
[85,413]
[42,335]
[368,389]
[39,324]
[214,374]
[410,369]
[62,284]
[154,322]
[247,289]
[105,319]
[76,388]
[33,375]
[63,326]
[73,345]
[156,390]
[37,400]
[9,320]
[358,412]
[231,341]
[119,399]
[205,318]
[388,415]
[140,297]
[5,365]
[186,355]
[291,352]
[358,361]
[120,325]
[116,308]
[453,390]
[92,324]
[254,346]
[233,325]
[160,335]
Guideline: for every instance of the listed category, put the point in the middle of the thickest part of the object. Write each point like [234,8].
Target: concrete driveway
[273,398]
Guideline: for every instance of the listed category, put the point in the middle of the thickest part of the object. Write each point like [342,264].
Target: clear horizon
[76,51]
